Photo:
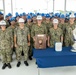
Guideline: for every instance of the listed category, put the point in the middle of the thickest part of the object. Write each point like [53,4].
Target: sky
[37,5]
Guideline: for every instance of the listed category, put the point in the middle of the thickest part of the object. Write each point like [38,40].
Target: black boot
[9,66]
[26,63]
[30,57]
[18,64]
[4,66]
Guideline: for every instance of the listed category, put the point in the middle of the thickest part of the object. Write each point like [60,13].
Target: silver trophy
[74,36]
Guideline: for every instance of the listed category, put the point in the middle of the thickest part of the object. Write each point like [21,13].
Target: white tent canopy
[52,5]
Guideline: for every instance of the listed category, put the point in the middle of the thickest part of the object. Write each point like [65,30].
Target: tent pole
[4,7]
[12,7]
[53,5]
[65,6]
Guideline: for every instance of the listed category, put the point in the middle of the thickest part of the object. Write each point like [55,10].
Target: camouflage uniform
[38,30]
[10,28]
[7,23]
[60,25]
[43,22]
[75,21]
[55,35]
[63,27]
[29,26]
[17,24]
[22,42]
[31,40]
[68,35]
[34,23]
[6,42]
[48,26]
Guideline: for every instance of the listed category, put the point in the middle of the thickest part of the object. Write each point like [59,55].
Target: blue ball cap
[53,16]
[1,13]
[34,15]
[75,13]
[70,13]
[31,13]
[62,16]
[23,14]
[57,15]
[6,16]
[47,16]
[16,13]
[29,17]
[17,16]
[9,14]
[12,19]
[38,14]
[43,15]
[67,15]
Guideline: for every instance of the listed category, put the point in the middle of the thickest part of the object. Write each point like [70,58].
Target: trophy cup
[40,41]
[74,36]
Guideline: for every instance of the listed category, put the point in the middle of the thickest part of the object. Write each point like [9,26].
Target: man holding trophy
[39,34]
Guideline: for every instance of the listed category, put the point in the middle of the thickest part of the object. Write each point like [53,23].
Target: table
[50,58]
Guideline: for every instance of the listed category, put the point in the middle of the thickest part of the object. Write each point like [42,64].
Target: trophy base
[73,50]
